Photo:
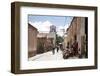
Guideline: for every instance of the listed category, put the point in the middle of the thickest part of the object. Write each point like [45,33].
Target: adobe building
[41,39]
[65,41]
[78,29]
[32,40]
[45,42]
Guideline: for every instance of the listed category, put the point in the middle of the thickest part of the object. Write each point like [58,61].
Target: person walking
[57,48]
[53,50]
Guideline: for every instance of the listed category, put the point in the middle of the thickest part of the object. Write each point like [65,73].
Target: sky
[43,23]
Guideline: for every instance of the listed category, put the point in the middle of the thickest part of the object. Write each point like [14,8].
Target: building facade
[45,42]
[32,40]
[40,42]
[78,30]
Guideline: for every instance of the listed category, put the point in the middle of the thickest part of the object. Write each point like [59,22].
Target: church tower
[53,33]
[53,28]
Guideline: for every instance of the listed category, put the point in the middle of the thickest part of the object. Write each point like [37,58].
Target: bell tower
[53,33]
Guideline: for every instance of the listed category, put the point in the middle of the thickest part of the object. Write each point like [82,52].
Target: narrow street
[72,39]
[48,56]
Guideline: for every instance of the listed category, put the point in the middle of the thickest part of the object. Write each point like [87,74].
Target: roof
[29,25]
[48,35]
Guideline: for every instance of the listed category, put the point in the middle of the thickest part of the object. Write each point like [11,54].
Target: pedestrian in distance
[53,50]
[57,48]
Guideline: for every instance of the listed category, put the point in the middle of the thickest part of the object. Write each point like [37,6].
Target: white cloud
[42,26]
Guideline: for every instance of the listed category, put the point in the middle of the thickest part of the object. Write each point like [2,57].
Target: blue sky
[42,23]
